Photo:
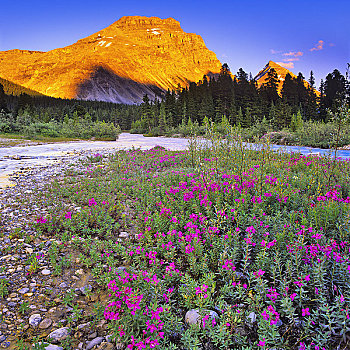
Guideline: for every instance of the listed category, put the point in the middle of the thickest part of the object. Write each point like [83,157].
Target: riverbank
[34,293]
[16,140]
[21,158]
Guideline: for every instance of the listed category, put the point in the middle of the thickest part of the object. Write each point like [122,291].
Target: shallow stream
[13,159]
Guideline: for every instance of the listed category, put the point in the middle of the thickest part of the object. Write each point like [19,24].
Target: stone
[23,290]
[84,325]
[2,338]
[34,320]
[46,272]
[45,323]
[29,250]
[123,235]
[193,317]
[52,347]
[251,318]
[92,335]
[63,285]
[79,272]
[94,342]
[86,289]
[59,334]
[106,346]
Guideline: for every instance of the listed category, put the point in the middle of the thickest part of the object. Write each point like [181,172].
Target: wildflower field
[217,247]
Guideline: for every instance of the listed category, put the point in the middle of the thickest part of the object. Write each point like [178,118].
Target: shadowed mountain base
[105,85]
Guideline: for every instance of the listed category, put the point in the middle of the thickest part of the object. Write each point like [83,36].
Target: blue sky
[303,35]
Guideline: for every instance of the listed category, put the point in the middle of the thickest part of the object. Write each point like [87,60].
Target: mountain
[132,57]
[261,77]
[11,88]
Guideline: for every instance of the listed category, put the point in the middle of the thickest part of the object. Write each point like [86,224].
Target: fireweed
[229,231]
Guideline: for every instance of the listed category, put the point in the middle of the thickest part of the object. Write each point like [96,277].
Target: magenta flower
[68,215]
[262,342]
[258,273]
[41,220]
[305,311]
[92,202]
[265,315]
[293,296]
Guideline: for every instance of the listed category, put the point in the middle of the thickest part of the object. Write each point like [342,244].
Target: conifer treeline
[238,99]
[44,109]
[241,101]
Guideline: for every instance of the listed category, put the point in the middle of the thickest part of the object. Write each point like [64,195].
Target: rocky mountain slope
[131,57]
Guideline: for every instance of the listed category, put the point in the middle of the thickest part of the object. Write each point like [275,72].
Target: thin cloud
[289,65]
[331,44]
[293,53]
[291,59]
[319,46]
[274,52]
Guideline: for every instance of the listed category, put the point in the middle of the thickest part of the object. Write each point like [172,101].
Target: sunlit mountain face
[132,57]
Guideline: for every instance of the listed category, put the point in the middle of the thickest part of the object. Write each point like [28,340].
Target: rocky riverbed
[36,301]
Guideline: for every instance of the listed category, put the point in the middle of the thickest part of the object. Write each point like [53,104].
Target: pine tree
[322,110]
[247,118]
[272,113]
[312,80]
[289,91]
[146,111]
[240,118]
[3,105]
[269,89]
[296,122]
[162,118]
[334,89]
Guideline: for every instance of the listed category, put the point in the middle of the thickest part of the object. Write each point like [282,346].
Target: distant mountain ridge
[261,77]
[132,57]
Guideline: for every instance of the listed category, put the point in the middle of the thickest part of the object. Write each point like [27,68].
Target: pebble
[251,318]
[193,317]
[29,250]
[86,289]
[59,334]
[34,320]
[92,335]
[45,323]
[94,342]
[23,290]
[109,346]
[45,272]
[124,235]
[79,272]
[52,347]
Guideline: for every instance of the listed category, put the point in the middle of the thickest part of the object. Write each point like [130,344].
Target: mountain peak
[261,77]
[133,56]
[143,20]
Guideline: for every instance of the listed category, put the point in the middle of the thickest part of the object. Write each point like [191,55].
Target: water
[14,158]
